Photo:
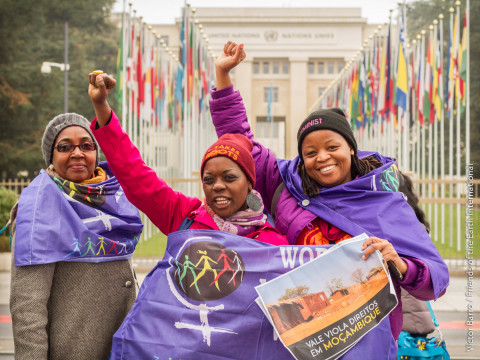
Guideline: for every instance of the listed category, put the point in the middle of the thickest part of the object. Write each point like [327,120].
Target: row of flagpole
[164,98]
[394,94]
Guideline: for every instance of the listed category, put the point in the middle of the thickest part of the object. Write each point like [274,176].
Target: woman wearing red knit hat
[231,206]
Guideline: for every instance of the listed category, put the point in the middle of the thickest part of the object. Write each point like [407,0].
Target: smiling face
[327,158]
[75,166]
[225,186]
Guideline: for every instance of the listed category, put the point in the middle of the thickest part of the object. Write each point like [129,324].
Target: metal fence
[445,203]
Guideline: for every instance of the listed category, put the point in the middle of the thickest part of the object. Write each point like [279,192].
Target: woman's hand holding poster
[321,309]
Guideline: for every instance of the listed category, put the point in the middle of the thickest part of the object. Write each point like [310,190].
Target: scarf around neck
[242,222]
[59,220]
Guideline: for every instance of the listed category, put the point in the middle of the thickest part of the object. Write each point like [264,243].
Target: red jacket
[165,207]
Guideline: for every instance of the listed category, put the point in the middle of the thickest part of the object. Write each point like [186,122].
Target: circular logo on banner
[207,271]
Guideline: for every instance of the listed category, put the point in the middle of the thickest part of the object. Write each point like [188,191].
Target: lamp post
[47,69]
[65,80]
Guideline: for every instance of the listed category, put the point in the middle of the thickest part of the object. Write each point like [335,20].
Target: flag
[387,79]
[437,72]
[269,106]
[449,58]
[421,82]
[428,83]
[374,78]
[402,79]
[452,71]
[462,80]
[361,103]
[119,88]
[139,76]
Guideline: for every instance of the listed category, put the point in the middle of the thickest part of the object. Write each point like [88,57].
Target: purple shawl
[371,204]
[55,226]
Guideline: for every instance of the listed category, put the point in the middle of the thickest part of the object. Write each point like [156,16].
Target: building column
[243,83]
[298,104]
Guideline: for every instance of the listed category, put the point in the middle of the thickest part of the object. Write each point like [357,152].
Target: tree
[334,284]
[32,31]
[299,291]
[357,276]
[8,198]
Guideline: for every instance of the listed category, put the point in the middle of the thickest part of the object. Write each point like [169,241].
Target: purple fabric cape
[175,319]
[371,204]
[52,226]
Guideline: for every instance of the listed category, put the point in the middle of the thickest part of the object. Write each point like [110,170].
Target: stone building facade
[295,52]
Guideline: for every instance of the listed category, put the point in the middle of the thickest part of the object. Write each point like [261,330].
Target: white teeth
[328,168]
[221,201]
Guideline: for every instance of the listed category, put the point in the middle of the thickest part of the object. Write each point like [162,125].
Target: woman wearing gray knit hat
[73,234]
[331,192]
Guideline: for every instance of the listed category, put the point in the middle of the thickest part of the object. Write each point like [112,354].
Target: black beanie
[326,119]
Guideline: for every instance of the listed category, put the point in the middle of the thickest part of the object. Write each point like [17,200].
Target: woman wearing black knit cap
[331,192]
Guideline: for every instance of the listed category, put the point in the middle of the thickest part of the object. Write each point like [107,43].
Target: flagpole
[442,129]
[450,128]
[459,110]
[435,131]
[141,121]
[124,67]
[186,133]
[127,62]
[415,107]
[467,85]
[133,106]
[390,132]
[423,145]
[406,116]
[400,113]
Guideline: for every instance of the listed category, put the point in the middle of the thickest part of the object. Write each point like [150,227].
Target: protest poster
[321,309]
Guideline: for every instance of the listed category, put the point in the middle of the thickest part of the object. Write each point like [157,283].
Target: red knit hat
[237,148]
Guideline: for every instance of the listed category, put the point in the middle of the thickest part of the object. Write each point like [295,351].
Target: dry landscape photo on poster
[322,308]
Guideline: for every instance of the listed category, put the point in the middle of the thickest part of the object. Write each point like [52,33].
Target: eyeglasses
[68,148]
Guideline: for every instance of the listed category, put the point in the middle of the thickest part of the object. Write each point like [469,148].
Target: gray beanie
[55,126]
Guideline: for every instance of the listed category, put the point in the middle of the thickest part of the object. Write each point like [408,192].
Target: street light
[47,69]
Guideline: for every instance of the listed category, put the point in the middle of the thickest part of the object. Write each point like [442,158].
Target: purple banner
[199,302]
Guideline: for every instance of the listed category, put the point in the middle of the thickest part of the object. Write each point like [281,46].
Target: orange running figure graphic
[206,266]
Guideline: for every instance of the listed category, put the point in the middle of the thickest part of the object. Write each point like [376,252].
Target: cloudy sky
[165,11]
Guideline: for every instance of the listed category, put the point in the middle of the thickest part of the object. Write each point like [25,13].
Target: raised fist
[100,85]
[232,55]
